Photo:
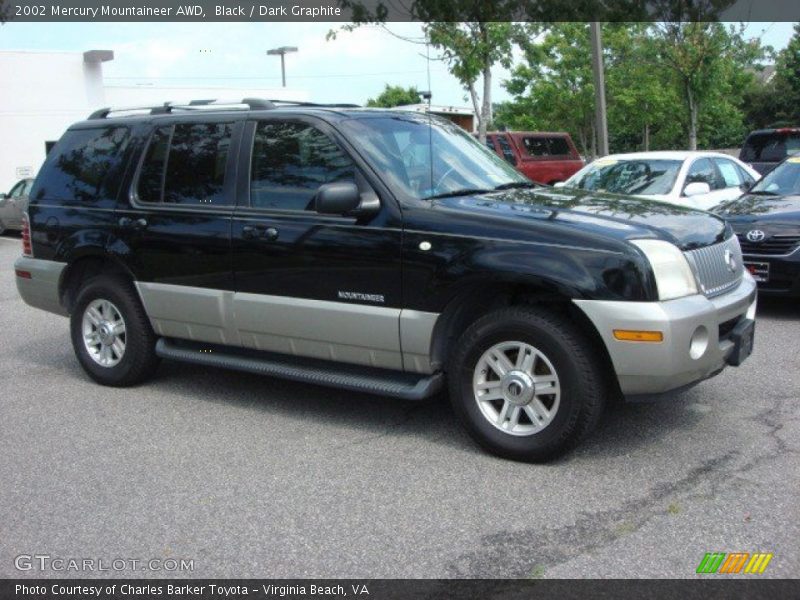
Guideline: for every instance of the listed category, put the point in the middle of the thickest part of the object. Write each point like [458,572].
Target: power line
[255,77]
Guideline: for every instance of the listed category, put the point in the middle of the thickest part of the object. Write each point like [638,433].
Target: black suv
[378,251]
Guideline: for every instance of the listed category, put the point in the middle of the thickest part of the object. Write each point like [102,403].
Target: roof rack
[250,103]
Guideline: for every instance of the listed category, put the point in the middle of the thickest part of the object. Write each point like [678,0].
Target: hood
[623,217]
[755,207]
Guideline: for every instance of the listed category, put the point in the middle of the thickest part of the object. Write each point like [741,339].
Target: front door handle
[129,223]
[259,231]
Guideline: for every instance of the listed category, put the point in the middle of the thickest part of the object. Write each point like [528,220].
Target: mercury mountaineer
[381,252]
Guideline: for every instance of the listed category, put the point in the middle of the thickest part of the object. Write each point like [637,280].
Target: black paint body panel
[571,243]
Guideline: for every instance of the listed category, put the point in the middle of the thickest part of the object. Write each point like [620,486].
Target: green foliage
[648,69]
[553,84]
[471,50]
[787,81]
[395,95]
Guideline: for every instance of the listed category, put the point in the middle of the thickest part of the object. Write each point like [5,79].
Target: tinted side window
[508,154]
[769,147]
[198,154]
[559,147]
[151,177]
[536,146]
[703,170]
[186,164]
[85,165]
[290,161]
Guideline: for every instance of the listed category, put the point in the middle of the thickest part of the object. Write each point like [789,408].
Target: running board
[368,380]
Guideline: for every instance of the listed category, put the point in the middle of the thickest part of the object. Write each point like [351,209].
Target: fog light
[699,343]
[751,310]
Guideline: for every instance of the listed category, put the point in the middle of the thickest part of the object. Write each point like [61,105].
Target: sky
[352,68]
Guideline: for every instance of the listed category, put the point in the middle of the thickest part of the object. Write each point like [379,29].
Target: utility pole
[601,121]
[282,51]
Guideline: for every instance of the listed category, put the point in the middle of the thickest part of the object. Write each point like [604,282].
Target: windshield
[400,148]
[644,177]
[784,180]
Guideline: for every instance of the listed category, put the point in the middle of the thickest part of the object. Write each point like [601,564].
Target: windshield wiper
[461,192]
[516,184]
[763,193]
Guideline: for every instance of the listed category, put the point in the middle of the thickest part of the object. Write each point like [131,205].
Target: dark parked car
[540,156]
[767,221]
[14,204]
[766,148]
[379,252]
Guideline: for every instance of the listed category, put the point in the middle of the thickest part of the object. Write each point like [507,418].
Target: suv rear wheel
[526,383]
[111,334]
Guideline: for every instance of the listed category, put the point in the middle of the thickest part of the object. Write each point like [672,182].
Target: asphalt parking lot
[256,477]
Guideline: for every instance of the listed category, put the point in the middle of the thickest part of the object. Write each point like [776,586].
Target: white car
[694,179]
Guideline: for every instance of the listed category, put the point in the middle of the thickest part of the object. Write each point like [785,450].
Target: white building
[460,115]
[42,93]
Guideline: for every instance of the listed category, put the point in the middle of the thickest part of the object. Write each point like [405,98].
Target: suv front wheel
[526,383]
[111,333]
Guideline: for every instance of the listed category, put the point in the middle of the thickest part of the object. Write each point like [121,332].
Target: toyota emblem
[756,235]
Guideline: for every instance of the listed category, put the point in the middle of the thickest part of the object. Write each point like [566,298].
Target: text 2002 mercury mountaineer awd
[380,252]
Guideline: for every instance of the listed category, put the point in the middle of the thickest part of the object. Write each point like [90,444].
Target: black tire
[583,387]
[139,360]
[2,228]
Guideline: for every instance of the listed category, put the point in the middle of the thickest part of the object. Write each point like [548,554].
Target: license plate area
[759,270]
[742,336]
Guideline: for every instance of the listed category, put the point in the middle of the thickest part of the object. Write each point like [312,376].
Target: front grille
[714,273]
[774,245]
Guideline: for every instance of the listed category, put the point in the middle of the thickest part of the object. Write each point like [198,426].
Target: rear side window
[85,166]
[546,146]
[770,147]
[731,174]
[508,153]
[290,161]
[186,164]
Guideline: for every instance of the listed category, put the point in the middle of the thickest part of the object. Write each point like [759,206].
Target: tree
[695,53]
[471,50]
[554,85]
[787,80]
[395,95]
[640,99]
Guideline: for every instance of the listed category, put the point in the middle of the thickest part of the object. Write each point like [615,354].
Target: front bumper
[681,359]
[784,274]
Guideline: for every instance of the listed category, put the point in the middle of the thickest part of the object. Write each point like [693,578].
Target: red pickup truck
[544,157]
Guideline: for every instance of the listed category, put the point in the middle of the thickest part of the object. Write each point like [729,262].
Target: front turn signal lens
[632,335]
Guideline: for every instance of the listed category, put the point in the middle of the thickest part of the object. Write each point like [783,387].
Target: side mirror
[746,186]
[560,184]
[343,197]
[696,188]
[3,195]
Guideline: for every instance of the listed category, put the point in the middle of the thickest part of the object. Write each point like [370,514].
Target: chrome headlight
[674,276]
